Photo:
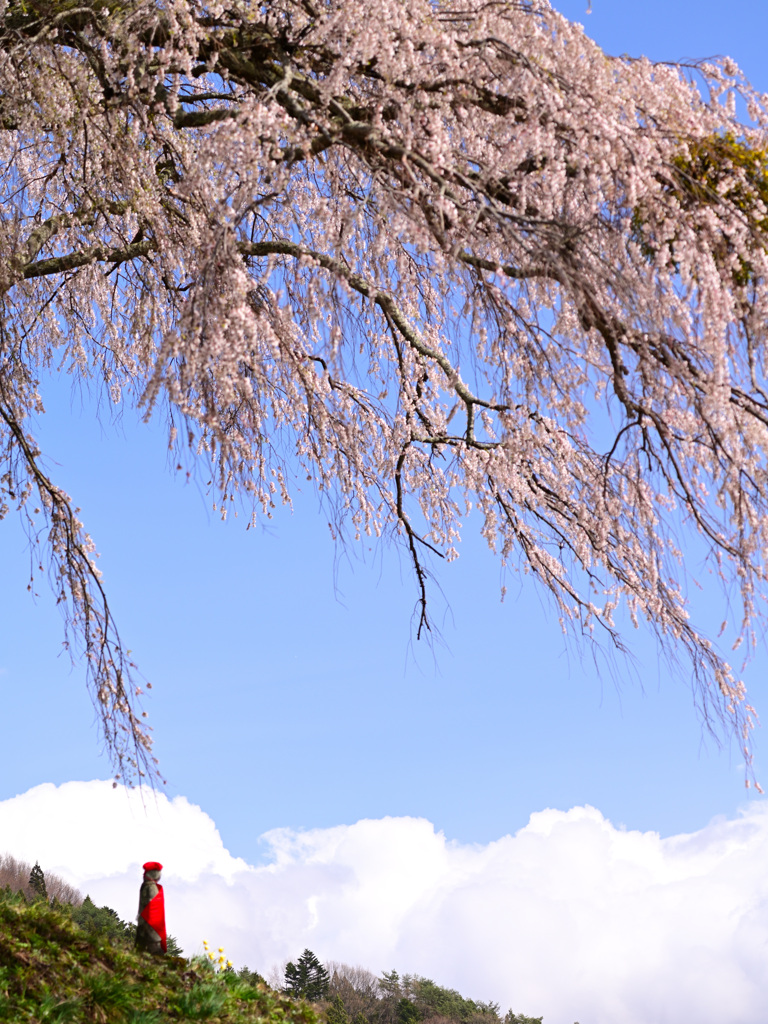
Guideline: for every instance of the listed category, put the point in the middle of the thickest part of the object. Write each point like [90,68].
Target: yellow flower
[221,949]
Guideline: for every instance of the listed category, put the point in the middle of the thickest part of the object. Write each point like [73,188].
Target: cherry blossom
[435,256]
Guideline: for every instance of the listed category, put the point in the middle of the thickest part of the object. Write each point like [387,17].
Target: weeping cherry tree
[437,256]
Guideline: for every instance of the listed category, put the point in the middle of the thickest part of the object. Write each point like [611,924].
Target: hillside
[75,962]
[51,970]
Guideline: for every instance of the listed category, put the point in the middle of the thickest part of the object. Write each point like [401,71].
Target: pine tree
[337,1012]
[307,978]
[37,883]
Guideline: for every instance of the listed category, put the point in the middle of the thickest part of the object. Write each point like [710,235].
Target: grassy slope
[51,971]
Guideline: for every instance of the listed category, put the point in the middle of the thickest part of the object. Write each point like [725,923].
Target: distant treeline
[354,995]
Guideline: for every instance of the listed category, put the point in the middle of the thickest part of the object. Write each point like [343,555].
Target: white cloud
[570,917]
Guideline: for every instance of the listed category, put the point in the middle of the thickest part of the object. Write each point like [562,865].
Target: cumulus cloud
[571,917]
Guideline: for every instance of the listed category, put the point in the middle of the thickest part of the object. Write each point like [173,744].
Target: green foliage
[336,1012]
[106,923]
[412,998]
[307,978]
[724,167]
[109,996]
[389,984]
[250,977]
[37,883]
[202,1002]
[53,971]
[520,1018]
[408,1012]
[59,1011]
[713,171]
[103,922]
[432,1000]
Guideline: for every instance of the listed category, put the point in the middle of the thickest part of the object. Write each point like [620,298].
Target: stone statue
[150,930]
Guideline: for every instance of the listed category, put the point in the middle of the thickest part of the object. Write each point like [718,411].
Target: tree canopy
[437,256]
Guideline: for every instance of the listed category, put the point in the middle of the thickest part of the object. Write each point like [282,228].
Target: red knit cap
[153,865]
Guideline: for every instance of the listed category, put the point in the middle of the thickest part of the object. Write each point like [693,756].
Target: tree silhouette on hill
[37,883]
[307,978]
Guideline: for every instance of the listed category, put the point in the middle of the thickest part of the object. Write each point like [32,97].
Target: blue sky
[288,688]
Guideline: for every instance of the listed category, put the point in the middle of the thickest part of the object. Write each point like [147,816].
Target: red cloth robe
[154,915]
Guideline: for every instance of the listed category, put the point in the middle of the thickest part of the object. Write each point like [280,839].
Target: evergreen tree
[390,985]
[37,883]
[250,977]
[102,921]
[337,1012]
[307,978]
[408,1012]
